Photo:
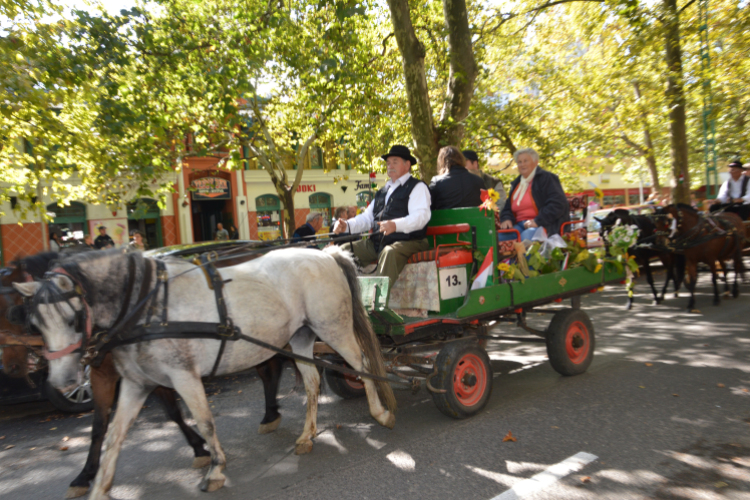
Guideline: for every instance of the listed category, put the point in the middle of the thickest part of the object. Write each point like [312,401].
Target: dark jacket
[103,241]
[303,232]
[549,198]
[458,188]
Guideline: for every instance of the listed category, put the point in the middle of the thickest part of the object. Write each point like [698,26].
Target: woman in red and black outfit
[536,200]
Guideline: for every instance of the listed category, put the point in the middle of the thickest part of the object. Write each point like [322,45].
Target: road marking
[547,477]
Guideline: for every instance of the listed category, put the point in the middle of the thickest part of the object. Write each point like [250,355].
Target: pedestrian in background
[88,241]
[137,242]
[55,242]
[233,233]
[103,241]
[221,233]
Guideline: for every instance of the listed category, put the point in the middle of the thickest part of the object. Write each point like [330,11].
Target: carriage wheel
[464,372]
[570,342]
[77,400]
[345,386]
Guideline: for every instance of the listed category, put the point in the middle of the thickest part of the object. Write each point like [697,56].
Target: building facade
[204,196]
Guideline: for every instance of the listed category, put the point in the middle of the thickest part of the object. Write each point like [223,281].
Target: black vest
[745,179]
[397,207]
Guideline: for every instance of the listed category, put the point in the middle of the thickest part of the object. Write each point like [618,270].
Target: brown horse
[104,378]
[709,239]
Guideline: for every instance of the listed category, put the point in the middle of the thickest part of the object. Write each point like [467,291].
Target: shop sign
[211,188]
[306,188]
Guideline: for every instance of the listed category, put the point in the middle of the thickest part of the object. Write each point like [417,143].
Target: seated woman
[454,186]
[536,200]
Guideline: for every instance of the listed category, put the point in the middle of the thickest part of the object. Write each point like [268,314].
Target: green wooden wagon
[444,348]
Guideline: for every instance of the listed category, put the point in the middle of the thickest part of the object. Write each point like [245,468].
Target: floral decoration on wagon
[536,261]
[489,199]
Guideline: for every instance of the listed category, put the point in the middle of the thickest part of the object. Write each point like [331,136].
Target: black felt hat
[737,164]
[401,152]
[470,155]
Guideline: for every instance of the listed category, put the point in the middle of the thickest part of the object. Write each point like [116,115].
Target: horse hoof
[209,485]
[269,427]
[76,491]
[200,462]
[303,448]
[387,420]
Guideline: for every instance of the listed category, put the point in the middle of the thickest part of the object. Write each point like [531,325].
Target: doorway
[206,215]
[144,216]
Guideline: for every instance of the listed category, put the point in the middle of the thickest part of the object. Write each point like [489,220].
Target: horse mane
[37,265]
[687,208]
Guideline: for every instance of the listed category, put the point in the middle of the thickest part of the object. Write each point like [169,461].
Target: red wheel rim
[577,342]
[469,380]
[353,382]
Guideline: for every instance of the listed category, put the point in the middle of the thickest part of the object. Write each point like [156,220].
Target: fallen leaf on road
[10,446]
[338,426]
[239,392]
[53,429]
[649,364]
[744,390]
[32,449]
[2,437]
[720,386]
[509,437]
[586,479]
[63,448]
[642,386]
[676,395]
[66,438]
[555,427]
[720,484]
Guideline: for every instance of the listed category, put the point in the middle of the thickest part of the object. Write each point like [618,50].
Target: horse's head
[612,219]
[57,308]
[667,224]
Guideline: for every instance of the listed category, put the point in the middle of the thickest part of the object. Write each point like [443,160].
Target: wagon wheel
[345,386]
[570,342]
[464,372]
[77,400]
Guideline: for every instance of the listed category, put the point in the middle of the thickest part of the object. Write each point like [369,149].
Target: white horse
[272,298]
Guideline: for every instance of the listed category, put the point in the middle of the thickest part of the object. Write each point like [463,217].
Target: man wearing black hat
[472,165]
[103,241]
[734,195]
[400,212]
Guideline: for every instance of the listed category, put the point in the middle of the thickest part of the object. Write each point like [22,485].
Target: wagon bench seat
[445,255]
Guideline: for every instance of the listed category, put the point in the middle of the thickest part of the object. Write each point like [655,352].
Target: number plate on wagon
[453,282]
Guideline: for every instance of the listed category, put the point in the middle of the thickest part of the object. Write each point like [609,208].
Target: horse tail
[363,331]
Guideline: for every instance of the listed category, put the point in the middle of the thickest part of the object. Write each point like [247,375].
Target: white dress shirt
[732,189]
[419,209]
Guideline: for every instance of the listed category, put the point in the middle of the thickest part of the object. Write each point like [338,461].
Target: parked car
[593,226]
[15,390]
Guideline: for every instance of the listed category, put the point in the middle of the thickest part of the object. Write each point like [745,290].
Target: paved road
[663,412]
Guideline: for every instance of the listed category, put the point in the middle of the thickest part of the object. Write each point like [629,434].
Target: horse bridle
[82,316]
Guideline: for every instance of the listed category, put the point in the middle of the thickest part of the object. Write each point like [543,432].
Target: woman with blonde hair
[454,186]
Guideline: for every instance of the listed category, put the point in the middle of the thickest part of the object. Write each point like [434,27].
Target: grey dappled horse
[285,297]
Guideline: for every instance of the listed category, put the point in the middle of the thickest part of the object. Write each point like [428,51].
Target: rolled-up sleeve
[419,210]
[362,222]
[723,195]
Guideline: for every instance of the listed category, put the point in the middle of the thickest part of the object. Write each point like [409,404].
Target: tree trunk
[413,53]
[649,154]
[676,100]
[463,73]
[651,159]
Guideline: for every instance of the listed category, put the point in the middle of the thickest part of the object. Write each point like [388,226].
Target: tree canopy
[99,106]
